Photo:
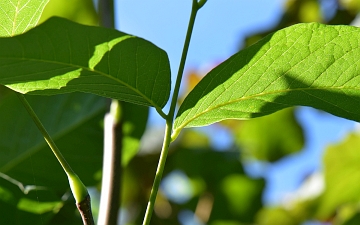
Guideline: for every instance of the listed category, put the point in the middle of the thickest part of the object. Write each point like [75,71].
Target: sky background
[220,27]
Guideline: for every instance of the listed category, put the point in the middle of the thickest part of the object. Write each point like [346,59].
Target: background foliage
[215,189]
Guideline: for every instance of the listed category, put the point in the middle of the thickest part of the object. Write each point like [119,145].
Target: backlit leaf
[18,16]
[306,64]
[60,56]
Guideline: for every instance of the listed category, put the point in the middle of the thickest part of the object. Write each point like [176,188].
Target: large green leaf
[306,64]
[342,175]
[18,16]
[73,120]
[60,56]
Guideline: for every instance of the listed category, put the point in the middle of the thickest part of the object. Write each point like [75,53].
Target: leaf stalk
[78,189]
[170,117]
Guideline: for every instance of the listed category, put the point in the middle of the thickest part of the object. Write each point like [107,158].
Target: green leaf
[342,175]
[18,16]
[73,120]
[306,64]
[270,137]
[60,56]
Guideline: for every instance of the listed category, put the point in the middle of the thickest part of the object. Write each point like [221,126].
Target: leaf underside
[306,64]
[60,56]
[73,120]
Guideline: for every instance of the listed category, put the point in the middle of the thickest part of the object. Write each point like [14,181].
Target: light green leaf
[306,64]
[73,120]
[18,16]
[342,175]
[60,56]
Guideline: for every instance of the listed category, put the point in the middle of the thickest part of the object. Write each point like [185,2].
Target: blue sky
[219,29]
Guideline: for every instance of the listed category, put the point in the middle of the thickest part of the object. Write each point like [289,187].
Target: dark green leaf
[60,56]
[134,124]
[73,120]
[33,206]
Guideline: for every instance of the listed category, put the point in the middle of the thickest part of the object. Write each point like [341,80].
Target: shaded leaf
[306,64]
[134,125]
[18,16]
[73,120]
[342,175]
[34,207]
[60,56]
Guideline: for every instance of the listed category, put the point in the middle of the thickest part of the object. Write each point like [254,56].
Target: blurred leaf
[351,5]
[225,222]
[212,170]
[270,137]
[220,174]
[194,139]
[80,11]
[134,125]
[342,175]
[278,216]
[310,11]
[73,120]
[128,68]
[306,64]
[19,16]
[355,220]
[240,198]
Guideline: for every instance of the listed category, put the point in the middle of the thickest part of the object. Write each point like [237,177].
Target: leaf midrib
[89,70]
[259,95]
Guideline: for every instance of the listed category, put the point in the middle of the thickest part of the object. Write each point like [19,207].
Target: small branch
[106,13]
[170,118]
[46,135]
[111,176]
[158,175]
[113,136]
[161,113]
[84,208]
[201,3]
[179,76]
[78,189]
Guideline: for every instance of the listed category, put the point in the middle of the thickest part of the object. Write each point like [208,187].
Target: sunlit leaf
[306,64]
[18,16]
[60,56]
